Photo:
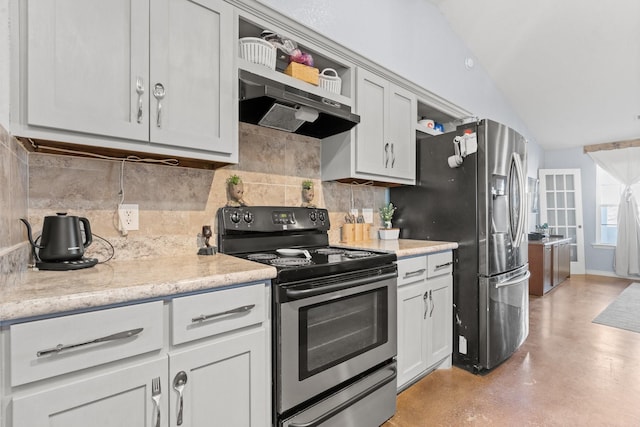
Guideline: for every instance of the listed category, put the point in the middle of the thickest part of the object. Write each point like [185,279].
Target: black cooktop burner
[330,251]
[261,257]
[290,262]
[358,254]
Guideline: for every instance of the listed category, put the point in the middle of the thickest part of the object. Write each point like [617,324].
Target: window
[607,200]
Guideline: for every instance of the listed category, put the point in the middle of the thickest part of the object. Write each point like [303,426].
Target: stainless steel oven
[334,317]
[330,334]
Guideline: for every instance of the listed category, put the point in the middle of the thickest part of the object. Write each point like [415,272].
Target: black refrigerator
[471,189]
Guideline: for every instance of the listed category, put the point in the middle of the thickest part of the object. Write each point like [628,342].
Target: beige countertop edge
[402,247]
[40,295]
[550,241]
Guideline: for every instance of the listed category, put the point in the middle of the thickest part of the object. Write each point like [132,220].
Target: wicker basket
[328,82]
[258,51]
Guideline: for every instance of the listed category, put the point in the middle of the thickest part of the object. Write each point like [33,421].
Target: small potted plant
[235,191]
[307,194]
[386,215]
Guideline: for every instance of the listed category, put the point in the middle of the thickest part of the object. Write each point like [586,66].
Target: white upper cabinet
[83,58]
[190,55]
[386,134]
[381,148]
[156,77]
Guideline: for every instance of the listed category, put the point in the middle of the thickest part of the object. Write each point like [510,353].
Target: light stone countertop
[48,292]
[42,293]
[402,247]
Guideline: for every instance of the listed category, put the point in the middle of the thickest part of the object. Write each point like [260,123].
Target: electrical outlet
[129,216]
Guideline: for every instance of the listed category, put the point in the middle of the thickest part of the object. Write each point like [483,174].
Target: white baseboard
[611,274]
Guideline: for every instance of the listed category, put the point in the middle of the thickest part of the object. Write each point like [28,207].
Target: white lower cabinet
[120,397]
[425,309]
[226,382]
[218,341]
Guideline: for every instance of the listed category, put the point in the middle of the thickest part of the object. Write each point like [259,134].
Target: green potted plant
[386,215]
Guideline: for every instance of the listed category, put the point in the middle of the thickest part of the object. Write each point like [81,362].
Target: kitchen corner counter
[550,240]
[402,247]
[48,292]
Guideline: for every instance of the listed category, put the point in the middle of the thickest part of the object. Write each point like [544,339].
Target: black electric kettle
[61,238]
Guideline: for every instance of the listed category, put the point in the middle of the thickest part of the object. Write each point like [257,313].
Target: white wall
[413,39]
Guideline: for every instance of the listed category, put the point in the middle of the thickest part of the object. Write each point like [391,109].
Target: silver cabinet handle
[178,385]
[414,273]
[426,307]
[393,156]
[140,92]
[446,264]
[431,303]
[118,336]
[155,396]
[158,92]
[204,317]
[386,155]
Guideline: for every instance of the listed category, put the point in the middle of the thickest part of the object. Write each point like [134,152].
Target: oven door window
[340,329]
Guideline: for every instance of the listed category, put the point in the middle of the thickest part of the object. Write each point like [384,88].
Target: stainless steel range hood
[273,104]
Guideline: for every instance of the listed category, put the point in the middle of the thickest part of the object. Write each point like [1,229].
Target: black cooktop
[293,263]
[282,236]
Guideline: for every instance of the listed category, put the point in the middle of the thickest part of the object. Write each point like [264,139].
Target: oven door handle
[296,294]
[349,402]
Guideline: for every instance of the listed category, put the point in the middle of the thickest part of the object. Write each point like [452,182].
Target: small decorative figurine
[206,235]
[307,194]
[235,191]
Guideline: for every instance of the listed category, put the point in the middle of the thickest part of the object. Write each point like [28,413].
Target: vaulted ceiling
[569,68]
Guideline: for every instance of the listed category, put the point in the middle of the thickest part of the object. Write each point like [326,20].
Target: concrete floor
[569,372]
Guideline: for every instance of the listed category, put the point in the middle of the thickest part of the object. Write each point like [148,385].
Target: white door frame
[561,208]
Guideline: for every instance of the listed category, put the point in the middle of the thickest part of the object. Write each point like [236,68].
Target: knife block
[355,232]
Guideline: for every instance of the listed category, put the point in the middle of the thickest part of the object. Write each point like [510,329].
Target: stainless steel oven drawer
[368,402]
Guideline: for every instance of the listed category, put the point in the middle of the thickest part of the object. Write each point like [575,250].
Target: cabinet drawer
[204,315]
[411,270]
[439,264]
[82,341]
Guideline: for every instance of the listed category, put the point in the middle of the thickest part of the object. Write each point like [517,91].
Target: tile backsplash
[175,202]
[14,252]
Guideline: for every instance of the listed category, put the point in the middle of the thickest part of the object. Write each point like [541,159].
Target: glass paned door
[561,208]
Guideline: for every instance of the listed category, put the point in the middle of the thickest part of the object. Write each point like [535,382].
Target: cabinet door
[372,102]
[402,133]
[114,399]
[226,382]
[412,333]
[440,318]
[192,63]
[83,61]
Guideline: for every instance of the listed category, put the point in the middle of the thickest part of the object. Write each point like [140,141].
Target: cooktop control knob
[235,217]
[321,216]
[248,217]
[313,216]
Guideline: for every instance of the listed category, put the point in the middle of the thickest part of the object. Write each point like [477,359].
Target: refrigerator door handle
[520,228]
[513,281]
